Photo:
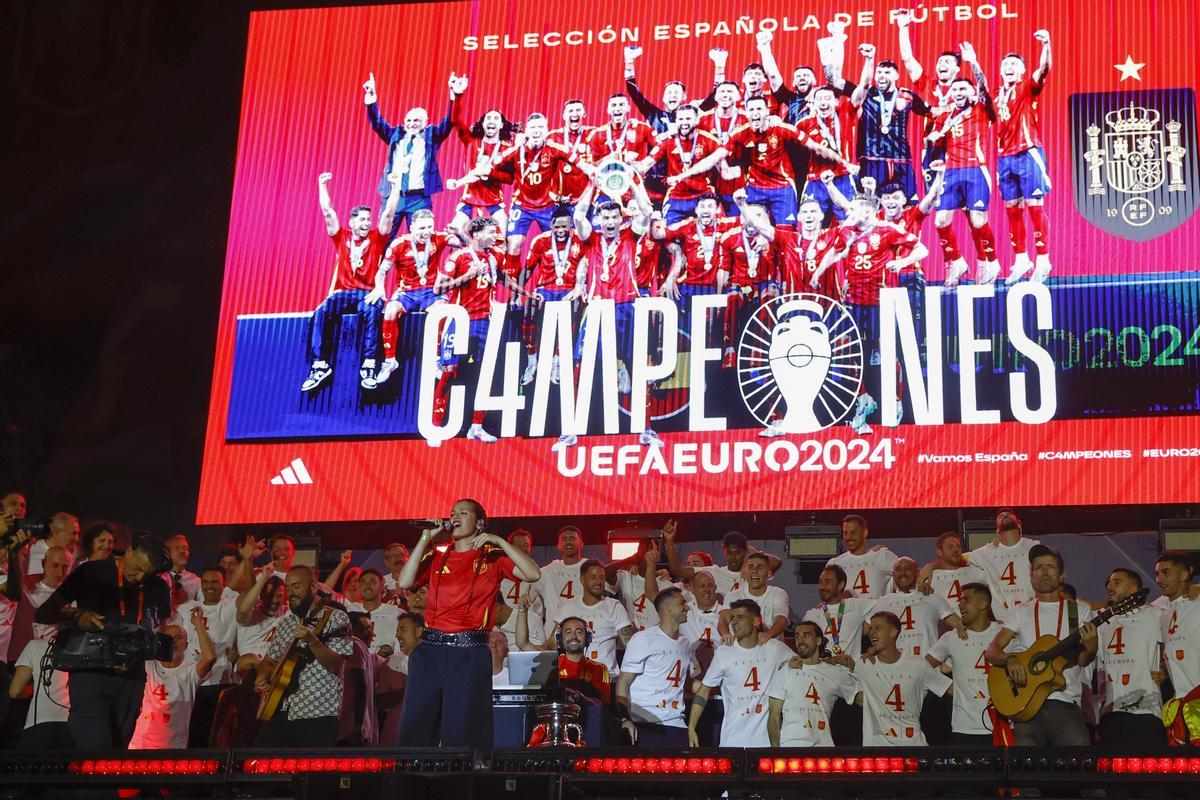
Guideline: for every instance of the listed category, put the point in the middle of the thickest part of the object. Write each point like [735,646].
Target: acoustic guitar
[288,669]
[1045,662]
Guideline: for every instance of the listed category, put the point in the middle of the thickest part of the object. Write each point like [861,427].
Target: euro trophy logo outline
[800,363]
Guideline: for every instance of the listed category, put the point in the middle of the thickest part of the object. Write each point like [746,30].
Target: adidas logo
[293,474]
[979,204]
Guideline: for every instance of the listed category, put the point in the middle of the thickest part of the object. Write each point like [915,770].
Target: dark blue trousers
[448,699]
[322,327]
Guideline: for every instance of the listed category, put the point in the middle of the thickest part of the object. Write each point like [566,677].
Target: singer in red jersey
[1023,176]
[866,246]
[448,700]
[357,250]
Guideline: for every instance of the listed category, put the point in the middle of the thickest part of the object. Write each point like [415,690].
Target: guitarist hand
[1016,673]
[1089,637]
[262,684]
[305,634]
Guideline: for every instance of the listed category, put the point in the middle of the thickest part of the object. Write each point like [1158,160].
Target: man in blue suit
[412,150]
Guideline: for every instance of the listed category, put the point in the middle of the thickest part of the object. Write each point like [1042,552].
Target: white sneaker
[956,270]
[988,272]
[554,376]
[771,431]
[317,375]
[477,433]
[530,371]
[565,441]
[623,379]
[875,362]
[366,374]
[1020,269]
[897,416]
[650,439]
[386,369]
[1042,270]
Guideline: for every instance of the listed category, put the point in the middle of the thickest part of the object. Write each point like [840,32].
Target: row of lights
[146,766]
[1152,766]
[288,766]
[866,765]
[654,766]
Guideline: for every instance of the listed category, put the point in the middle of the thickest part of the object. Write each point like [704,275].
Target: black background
[119,143]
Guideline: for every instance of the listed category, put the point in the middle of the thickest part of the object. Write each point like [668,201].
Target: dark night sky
[120,139]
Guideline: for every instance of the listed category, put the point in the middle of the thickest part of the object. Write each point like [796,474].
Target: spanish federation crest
[1135,160]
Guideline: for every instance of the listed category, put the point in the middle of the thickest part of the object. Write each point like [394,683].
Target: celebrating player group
[756,189]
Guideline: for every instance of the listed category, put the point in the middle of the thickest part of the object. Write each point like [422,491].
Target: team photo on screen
[626,257]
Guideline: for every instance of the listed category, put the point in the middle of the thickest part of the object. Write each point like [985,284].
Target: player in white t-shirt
[50,705]
[514,592]
[803,693]
[841,619]
[704,615]
[946,576]
[1180,625]
[628,576]
[772,600]
[734,548]
[919,614]
[1005,560]
[1060,721]
[892,687]
[868,570]
[170,690]
[394,556]
[383,615]
[559,584]
[654,674]
[1129,663]
[605,616]
[743,672]
[970,723]
[259,610]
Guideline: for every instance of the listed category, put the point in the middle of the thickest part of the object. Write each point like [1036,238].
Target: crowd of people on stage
[678,648]
[759,188]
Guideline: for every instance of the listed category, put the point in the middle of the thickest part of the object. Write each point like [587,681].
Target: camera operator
[116,591]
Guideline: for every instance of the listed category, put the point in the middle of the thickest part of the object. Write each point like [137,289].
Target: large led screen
[583,258]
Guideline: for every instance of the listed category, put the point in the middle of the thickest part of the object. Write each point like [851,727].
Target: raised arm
[913,67]
[835,194]
[388,213]
[859,95]
[208,656]
[972,60]
[583,209]
[833,68]
[412,567]
[378,124]
[756,214]
[526,568]
[331,220]
[247,599]
[930,200]
[648,109]
[641,220]
[458,85]
[678,571]
[330,582]
[767,58]
[1043,67]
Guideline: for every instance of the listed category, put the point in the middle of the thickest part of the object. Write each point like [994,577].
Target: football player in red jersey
[358,250]
[678,151]
[573,137]
[721,122]
[626,138]
[470,275]
[485,140]
[800,251]
[416,257]
[867,246]
[832,127]
[793,100]
[933,89]
[748,273]
[1021,168]
[968,184]
[693,245]
[610,252]
[556,272]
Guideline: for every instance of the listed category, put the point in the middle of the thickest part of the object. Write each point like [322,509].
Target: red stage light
[660,766]
[145,766]
[1141,766]
[286,766]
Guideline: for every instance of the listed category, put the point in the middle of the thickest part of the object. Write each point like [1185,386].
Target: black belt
[460,639]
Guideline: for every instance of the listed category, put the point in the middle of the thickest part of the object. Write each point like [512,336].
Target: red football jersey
[966,137]
[911,220]
[838,133]
[571,182]
[937,96]
[476,294]
[701,248]
[586,671]
[463,587]
[483,155]
[765,94]
[632,142]
[870,251]
[355,263]
[680,154]
[770,167]
[748,263]
[612,265]
[1017,119]
[648,259]
[415,267]
[533,173]
[552,264]
[799,257]
[721,129]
